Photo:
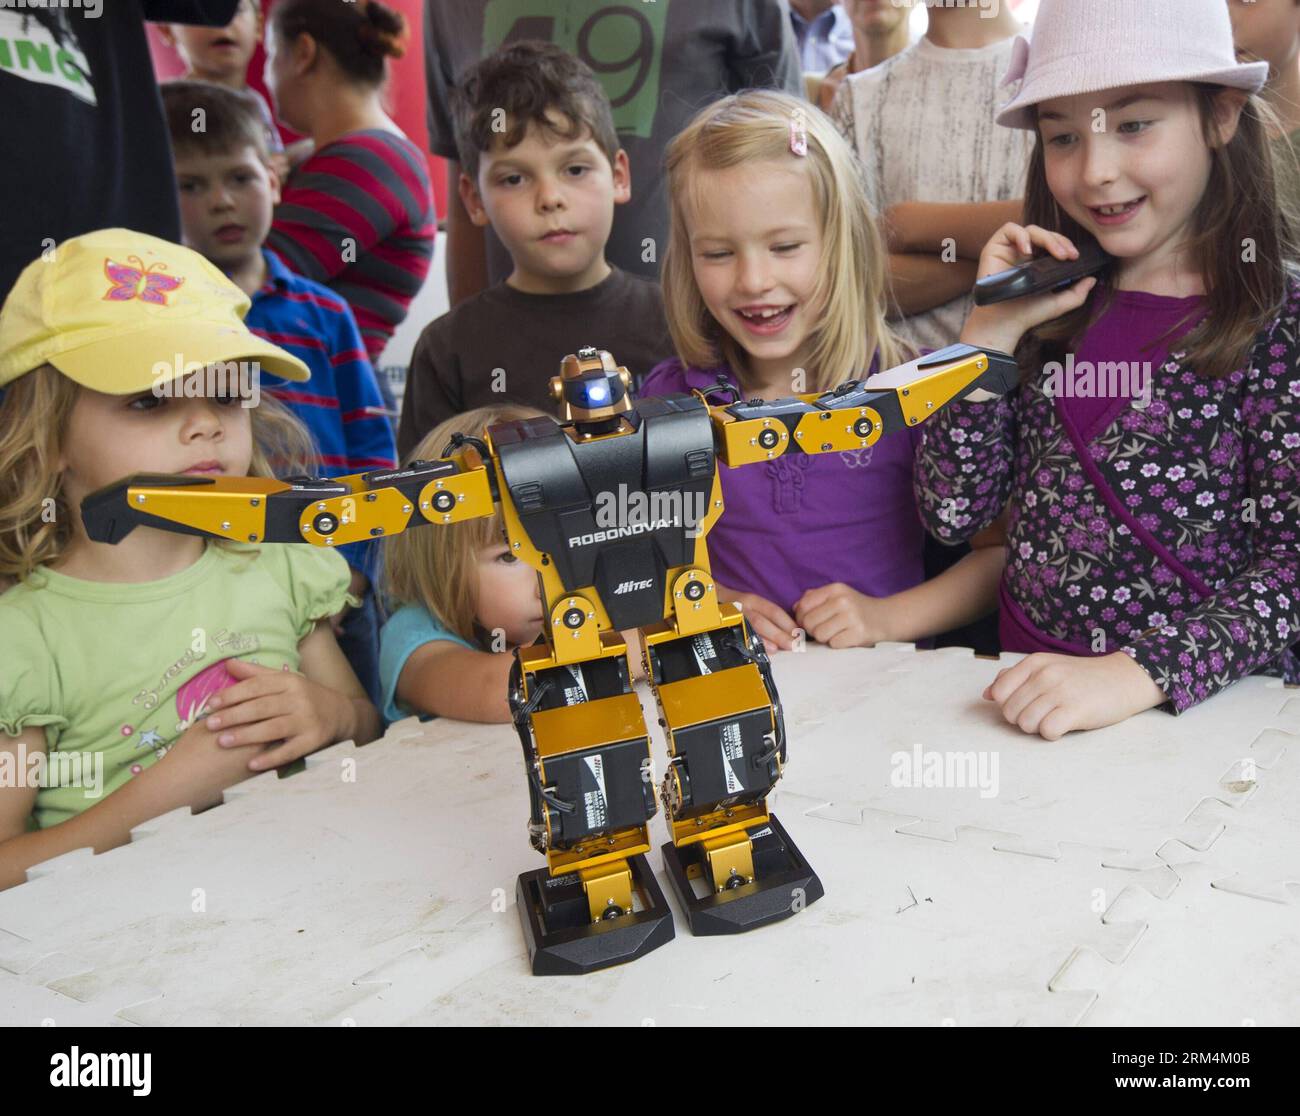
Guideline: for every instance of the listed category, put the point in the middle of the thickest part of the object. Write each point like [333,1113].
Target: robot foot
[784,883]
[562,939]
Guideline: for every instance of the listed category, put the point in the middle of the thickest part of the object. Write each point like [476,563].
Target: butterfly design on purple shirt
[857,458]
[141,281]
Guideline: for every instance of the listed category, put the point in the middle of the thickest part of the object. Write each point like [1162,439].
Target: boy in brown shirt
[543,166]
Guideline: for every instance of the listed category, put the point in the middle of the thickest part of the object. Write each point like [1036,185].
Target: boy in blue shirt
[227,194]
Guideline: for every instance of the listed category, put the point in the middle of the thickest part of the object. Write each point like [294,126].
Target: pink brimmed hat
[1086,46]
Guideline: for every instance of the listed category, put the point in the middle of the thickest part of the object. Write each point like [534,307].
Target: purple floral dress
[1190,562]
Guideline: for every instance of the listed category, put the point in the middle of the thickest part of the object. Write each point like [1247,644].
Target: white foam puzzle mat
[1148,873]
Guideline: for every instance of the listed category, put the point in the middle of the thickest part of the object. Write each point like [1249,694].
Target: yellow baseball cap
[114,309]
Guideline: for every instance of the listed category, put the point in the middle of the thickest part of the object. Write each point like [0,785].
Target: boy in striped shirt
[227,194]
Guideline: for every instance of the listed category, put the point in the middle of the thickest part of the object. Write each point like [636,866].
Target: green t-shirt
[122,670]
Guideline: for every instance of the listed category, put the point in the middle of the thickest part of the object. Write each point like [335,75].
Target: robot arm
[855,414]
[462,485]
[297,509]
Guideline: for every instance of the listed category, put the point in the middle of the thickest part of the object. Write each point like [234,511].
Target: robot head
[592,387]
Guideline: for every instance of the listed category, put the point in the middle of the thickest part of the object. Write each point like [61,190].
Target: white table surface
[1147,873]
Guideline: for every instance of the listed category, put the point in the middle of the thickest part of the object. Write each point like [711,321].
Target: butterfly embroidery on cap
[142,282]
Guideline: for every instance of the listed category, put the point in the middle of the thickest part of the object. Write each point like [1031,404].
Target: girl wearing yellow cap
[148,675]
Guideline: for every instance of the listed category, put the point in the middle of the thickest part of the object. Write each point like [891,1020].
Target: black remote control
[1046,273]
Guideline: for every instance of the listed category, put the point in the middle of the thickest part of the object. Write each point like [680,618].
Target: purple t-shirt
[1139,329]
[1132,330]
[801,522]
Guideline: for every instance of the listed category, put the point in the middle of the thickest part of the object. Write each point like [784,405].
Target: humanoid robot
[610,506]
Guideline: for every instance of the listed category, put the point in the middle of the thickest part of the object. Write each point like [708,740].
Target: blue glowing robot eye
[597,392]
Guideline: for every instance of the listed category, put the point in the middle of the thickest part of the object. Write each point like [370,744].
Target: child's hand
[269,706]
[1054,694]
[840,616]
[198,769]
[772,623]
[1002,325]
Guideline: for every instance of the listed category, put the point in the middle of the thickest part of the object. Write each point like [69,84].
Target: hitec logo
[633,586]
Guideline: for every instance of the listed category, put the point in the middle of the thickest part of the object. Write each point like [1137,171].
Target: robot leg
[587,754]
[731,863]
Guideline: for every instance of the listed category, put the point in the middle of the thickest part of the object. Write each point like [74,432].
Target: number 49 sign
[621,42]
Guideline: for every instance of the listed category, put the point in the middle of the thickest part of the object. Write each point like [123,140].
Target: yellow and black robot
[610,506]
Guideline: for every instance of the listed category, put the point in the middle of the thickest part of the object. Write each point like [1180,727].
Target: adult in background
[658,63]
[81,109]
[1269,30]
[358,214]
[823,32]
[881,29]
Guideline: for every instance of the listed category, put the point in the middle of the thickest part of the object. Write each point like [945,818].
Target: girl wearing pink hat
[1150,455]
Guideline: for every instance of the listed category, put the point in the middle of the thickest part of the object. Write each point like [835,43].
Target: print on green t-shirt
[622,43]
